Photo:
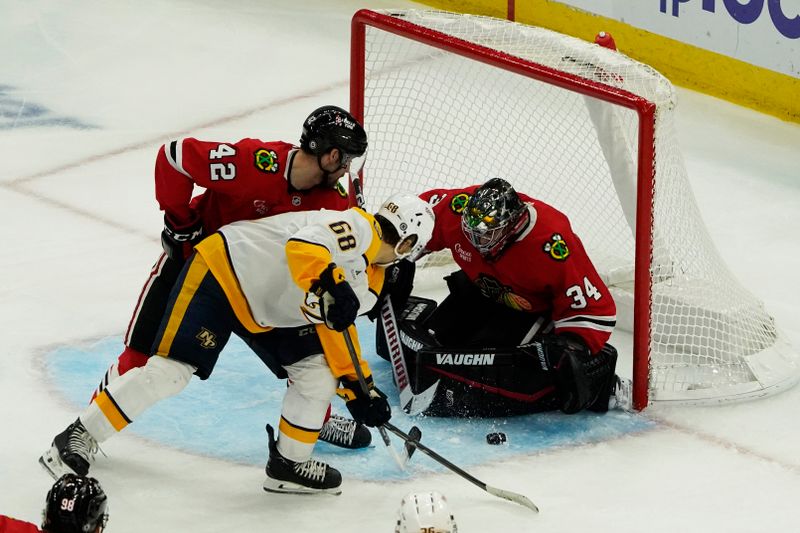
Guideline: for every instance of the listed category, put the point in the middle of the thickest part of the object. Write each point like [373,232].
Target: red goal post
[551,111]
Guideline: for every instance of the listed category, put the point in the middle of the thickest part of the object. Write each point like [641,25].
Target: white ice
[80,228]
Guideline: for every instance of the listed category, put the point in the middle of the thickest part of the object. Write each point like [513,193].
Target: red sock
[328,414]
[130,358]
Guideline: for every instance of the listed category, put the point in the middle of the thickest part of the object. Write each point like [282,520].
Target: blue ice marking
[18,112]
[225,416]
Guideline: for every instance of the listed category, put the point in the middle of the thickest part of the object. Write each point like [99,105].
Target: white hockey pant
[305,405]
[128,396]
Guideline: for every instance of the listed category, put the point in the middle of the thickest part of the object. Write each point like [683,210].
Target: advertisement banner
[765,33]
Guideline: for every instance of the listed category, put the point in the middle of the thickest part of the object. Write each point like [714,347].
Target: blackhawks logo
[503,294]
[556,248]
[341,190]
[266,160]
[459,202]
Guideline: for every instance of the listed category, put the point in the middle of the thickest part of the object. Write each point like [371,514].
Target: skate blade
[53,465]
[286,487]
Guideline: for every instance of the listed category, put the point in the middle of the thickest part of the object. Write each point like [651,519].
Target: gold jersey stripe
[306,261]
[375,243]
[113,413]
[215,254]
[299,434]
[376,277]
[337,355]
[197,271]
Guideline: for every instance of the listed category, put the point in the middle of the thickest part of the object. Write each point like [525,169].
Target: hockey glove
[178,240]
[371,410]
[398,283]
[338,303]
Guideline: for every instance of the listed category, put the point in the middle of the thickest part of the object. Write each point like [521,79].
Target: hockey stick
[362,381]
[412,442]
[494,491]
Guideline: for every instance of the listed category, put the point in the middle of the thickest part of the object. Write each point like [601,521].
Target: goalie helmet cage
[451,100]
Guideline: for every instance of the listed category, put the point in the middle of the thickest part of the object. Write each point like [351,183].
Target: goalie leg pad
[582,378]
[490,382]
[606,389]
[495,378]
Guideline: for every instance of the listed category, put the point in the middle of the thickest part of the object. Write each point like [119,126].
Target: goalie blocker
[550,373]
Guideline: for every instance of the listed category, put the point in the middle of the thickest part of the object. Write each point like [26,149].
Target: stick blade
[417,403]
[512,497]
[415,434]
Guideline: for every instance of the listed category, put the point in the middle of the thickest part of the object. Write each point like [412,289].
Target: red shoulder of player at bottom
[12,525]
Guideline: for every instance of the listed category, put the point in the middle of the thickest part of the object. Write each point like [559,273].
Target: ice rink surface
[88,92]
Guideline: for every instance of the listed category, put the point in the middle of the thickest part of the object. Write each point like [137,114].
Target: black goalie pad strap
[584,379]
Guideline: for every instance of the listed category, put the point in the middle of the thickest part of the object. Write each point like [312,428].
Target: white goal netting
[436,118]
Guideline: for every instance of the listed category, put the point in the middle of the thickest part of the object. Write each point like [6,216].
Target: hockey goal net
[450,100]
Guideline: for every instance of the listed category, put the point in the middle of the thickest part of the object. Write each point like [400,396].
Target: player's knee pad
[166,377]
[312,379]
[133,393]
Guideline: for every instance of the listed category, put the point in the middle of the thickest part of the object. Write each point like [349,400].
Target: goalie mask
[75,504]
[330,127]
[493,216]
[425,511]
[412,218]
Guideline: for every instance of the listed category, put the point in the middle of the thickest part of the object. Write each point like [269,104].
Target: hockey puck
[496,438]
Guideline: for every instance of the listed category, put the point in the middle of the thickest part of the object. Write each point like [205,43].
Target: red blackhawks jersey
[545,271]
[243,181]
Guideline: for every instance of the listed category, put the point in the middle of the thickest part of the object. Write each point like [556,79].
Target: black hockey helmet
[332,127]
[75,504]
[493,215]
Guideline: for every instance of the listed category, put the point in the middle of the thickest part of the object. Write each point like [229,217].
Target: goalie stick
[410,403]
[415,434]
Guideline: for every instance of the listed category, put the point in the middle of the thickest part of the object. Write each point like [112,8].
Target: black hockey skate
[345,433]
[72,452]
[309,477]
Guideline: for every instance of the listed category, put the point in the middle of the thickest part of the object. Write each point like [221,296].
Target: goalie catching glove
[371,410]
[178,240]
[337,301]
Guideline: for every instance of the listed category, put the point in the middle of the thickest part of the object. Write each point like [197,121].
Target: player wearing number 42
[288,285]
[242,180]
[526,322]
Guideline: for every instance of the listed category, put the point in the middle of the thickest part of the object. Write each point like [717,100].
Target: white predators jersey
[250,262]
